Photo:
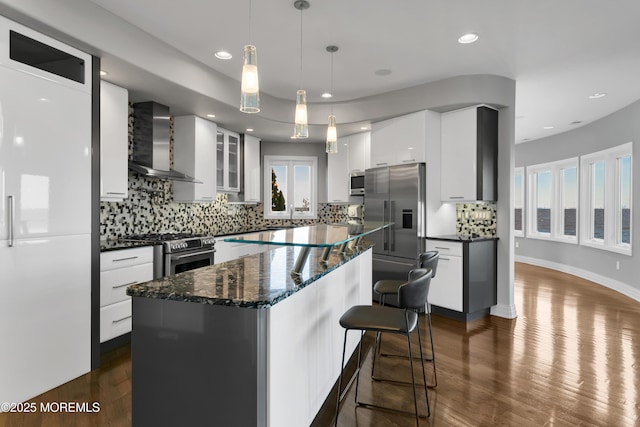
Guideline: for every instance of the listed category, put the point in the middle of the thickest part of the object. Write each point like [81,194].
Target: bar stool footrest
[386,408]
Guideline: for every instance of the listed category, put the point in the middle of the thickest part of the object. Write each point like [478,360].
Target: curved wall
[593,264]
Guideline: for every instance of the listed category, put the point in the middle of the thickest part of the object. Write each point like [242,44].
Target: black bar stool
[412,295]
[427,260]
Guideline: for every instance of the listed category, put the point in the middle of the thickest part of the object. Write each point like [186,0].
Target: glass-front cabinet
[228,161]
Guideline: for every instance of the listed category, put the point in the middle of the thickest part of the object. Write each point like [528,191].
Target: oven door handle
[191,254]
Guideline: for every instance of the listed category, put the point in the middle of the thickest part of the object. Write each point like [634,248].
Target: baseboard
[504,310]
[607,282]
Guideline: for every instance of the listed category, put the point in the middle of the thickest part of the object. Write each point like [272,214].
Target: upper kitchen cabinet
[251,169]
[114,142]
[195,154]
[403,139]
[469,154]
[228,161]
[358,147]
[338,174]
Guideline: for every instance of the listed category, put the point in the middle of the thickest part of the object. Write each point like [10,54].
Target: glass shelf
[312,236]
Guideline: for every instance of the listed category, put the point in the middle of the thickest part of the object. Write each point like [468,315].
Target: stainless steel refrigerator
[396,194]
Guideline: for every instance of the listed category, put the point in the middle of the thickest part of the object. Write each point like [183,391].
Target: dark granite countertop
[462,238]
[114,245]
[256,281]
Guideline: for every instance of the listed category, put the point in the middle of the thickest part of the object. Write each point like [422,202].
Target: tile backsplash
[476,219]
[150,209]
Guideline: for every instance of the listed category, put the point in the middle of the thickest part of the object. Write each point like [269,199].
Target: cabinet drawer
[113,283]
[444,247]
[115,320]
[125,258]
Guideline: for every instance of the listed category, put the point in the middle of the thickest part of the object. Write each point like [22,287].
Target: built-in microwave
[356,184]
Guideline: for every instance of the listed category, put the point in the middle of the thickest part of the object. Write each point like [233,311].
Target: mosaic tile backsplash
[150,209]
[476,219]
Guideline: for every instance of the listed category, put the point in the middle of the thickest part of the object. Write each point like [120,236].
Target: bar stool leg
[433,351]
[413,381]
[339,398]
[424,375]
[358,367]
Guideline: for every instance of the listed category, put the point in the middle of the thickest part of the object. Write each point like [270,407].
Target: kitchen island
[247,342]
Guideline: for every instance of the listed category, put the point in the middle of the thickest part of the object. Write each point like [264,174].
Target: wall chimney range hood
[151,135]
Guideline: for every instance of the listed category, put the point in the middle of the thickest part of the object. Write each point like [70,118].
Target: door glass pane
[625,199]
[220,159]
[302,188]
[597,201]
[278,188]
[233,162]
[543,202]
[569,201]
[518,202]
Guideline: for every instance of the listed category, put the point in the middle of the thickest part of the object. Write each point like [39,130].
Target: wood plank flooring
[571,358]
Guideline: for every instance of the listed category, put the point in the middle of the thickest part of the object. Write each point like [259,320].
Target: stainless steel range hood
[151,135]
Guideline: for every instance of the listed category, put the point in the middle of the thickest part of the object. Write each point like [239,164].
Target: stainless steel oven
[179,251]
[177,262]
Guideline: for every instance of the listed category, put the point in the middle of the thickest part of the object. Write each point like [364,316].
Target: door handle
[10,207]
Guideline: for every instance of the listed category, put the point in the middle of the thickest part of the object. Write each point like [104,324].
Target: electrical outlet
[517,245]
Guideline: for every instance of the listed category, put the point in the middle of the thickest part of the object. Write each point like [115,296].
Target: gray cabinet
[465,286]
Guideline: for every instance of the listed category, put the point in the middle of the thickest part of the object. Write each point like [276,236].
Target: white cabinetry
[403,139]
[469,154]
[119,269]
[447,287]
[359,147]
[114,142]
[228,161]
[338,174]
[195,154]
[251,169]
[227,251]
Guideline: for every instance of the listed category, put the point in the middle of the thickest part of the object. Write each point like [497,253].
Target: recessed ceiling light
[326,95]
[468,38]
[103,73]
[597,95]
[382,72]
[211,115]
[364,128]
[548,127]
[223,54]
[249,129]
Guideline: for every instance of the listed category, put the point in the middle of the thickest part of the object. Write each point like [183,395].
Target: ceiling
[558,52]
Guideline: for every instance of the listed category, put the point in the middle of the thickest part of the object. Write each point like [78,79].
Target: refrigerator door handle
[385,246]
[10,231]
[392,229]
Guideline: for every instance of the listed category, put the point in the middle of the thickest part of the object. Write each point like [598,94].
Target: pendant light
[332,132]
[301,128]
[249,87]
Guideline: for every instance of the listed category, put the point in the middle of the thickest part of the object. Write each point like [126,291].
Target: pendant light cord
[331,83]
[301,9]
[250,38]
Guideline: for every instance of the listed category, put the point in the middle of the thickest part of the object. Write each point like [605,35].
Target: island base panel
[191,362]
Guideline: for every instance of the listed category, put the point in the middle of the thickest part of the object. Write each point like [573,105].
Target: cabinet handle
[121,320]
[409,161]
[125,259]
[11,212]
[115,192]
[126,284]
[457,197]
[207,197]
[444,259]
[381,164]
[443,248]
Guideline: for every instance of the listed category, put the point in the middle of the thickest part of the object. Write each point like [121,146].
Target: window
[607,199]
[518,204]
[290,187]
[553,201]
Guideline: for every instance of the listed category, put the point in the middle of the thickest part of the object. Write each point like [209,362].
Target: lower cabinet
[465,284]
[118,270]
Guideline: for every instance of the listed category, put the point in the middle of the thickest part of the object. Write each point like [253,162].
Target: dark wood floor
[570,358]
